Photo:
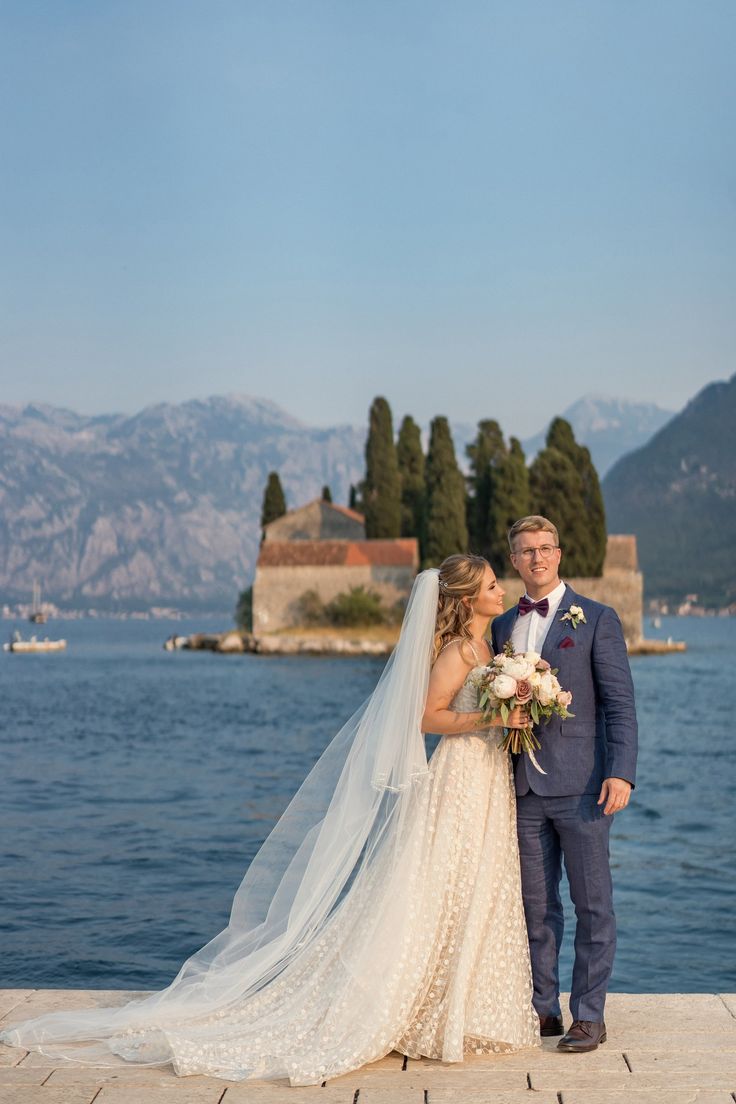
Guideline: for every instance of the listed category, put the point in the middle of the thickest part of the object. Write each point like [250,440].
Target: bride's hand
[518,718]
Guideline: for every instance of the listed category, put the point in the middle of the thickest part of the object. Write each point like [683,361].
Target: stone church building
[323,547]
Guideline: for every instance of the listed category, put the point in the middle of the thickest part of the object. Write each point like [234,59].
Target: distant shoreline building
[322,547]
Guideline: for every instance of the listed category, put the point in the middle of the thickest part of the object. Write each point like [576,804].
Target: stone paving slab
[679,1062]
[279,1092]
[638,1041]
[161,1094]
[17,1076]
[646,1096]
[11,998]
[662,1049]
[454,1095]
[34,1095]
[38,1001]
[130,1075]
[394,1095]
[676,1013]
[10,1056]
[543,1057]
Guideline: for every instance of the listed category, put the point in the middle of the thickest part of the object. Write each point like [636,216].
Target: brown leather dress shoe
[583,1035]
[550,1025]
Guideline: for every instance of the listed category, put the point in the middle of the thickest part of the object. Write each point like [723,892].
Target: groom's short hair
[534,523]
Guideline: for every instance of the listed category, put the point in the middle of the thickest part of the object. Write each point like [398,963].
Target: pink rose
[543,665]
[524,691]
[564,698]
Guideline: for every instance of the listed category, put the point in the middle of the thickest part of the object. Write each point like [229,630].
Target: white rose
[504,686]
[534,679]
[576,611]
[546,691]
[532,657]
[519,668]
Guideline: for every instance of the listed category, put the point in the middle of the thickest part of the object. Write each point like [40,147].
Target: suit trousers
[573,829]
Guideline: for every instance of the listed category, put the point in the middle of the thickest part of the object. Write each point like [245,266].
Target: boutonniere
[574,615]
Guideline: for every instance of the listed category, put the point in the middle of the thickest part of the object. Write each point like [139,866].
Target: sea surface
[137,784]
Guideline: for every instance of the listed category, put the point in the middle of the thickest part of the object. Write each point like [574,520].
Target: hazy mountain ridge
[678,494]
[162,507]
[609,427]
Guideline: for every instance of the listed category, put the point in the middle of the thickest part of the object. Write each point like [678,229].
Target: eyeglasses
[544,550]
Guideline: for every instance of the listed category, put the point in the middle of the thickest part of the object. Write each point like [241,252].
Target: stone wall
[277,590]
[621,553]
[624,590]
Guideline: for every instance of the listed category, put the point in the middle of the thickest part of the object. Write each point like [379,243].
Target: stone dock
[661,1049]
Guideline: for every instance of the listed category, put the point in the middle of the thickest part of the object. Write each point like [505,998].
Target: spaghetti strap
[467,640]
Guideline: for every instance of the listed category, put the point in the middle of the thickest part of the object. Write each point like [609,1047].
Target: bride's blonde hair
[461,576]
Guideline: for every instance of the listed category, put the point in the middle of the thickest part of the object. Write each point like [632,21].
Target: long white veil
[350,810]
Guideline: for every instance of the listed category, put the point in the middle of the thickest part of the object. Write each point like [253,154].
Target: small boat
[37,615]
[19,645]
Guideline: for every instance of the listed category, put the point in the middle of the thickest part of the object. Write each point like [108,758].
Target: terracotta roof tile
[327,553]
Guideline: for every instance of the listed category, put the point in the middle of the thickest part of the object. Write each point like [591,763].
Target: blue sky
[474,208]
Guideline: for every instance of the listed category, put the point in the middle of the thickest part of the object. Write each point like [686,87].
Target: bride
[382,913]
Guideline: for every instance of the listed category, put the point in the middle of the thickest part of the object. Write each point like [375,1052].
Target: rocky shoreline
[236,642]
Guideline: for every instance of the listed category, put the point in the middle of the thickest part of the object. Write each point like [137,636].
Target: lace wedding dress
[424,951]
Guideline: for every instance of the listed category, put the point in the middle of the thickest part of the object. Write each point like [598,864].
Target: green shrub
[358,607]
[310,608]
[244,610]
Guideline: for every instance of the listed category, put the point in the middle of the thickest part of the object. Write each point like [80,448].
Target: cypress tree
[326,494]
[509,500]
[446,530]
[274,502]
[382,493]
[563,485]
[561,436]
[411,470]
[483,453]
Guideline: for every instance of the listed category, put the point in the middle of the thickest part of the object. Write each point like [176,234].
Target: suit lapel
[558,628]
[504,626]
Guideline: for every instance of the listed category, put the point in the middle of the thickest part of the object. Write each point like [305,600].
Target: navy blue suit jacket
[600,741]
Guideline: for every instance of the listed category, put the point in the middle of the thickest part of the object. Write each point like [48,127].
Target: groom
[590,762]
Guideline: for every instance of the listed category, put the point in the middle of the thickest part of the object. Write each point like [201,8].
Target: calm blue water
[136,785]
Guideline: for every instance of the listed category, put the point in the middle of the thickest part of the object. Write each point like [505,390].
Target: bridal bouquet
[525,679]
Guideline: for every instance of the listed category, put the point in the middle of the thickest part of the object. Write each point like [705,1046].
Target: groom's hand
[615,792]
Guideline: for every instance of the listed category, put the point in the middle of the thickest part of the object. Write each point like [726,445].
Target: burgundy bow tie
[526,606]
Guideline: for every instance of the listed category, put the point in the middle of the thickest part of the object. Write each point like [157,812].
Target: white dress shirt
[530,631]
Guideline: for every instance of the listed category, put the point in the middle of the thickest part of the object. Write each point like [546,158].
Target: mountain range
[609,427]
[158,508]
[678,494]
[163,507]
